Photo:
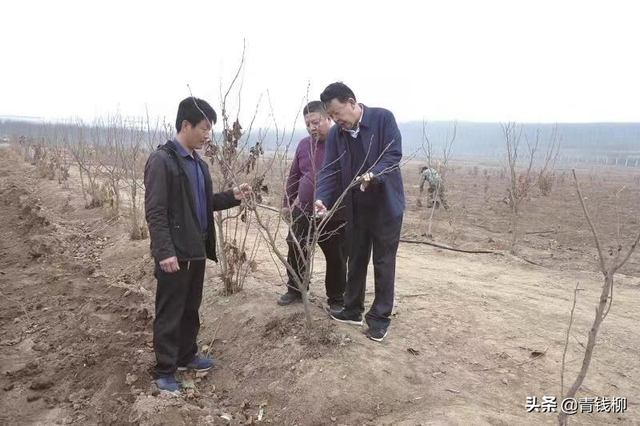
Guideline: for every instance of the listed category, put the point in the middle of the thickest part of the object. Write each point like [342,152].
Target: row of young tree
[530,163]
[107,155]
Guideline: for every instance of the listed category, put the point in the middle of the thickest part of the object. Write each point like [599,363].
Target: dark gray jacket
[170,212]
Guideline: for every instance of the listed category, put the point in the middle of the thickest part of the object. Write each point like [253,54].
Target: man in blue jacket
[364,146]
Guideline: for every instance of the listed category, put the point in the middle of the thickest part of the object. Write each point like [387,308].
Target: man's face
[198,135]
[343,114]
[318,125]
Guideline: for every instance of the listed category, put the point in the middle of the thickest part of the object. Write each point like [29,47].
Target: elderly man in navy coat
[364,145]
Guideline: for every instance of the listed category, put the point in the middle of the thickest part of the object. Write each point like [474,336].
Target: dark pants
[365,233]
[331,242]
[176,325]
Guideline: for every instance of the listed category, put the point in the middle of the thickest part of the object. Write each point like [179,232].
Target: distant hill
[601,143]
[590,140]
[487,138]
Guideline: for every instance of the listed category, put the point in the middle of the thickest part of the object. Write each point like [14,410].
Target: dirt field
[77,304]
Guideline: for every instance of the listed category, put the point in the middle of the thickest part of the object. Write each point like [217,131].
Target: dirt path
[81,352]
[67,334]
[475,322]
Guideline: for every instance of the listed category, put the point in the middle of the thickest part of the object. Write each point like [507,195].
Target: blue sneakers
[168,383]
[198,364]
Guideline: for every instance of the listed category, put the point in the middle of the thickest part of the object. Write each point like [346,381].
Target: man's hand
[365,181]
[321,209]
[170,265]
[242,192]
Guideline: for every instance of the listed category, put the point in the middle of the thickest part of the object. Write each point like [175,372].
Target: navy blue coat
[378,128]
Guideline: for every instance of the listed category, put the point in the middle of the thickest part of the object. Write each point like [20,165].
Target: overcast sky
[530,61]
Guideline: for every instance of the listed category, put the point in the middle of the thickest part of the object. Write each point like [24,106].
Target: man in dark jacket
[179,205]
[298,202]
[365,145]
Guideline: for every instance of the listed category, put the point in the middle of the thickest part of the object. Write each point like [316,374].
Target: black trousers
[331,242]
[367,232]
[176,325]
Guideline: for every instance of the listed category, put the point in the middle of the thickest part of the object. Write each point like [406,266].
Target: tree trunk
[433,211]
[116,194]
[82,186]
[305,299]
[602,304]
[220,252]
[92,185]
[514,225]
[135,231]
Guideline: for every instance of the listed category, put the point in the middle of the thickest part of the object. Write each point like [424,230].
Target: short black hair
[315,106]
[423,169]
[192,110]
[339,91]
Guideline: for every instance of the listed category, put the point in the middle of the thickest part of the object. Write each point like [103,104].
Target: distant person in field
[179,205]
[298,207]
[436,191]
[364,144]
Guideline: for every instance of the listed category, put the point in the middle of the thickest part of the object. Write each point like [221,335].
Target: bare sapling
[608,267]
[523,178]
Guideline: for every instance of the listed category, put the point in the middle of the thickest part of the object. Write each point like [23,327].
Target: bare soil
[77,300]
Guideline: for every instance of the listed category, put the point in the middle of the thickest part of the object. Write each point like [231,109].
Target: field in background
[77,307]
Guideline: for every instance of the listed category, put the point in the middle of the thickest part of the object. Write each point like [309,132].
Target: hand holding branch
[242,192]
[365,180]
[321,209]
